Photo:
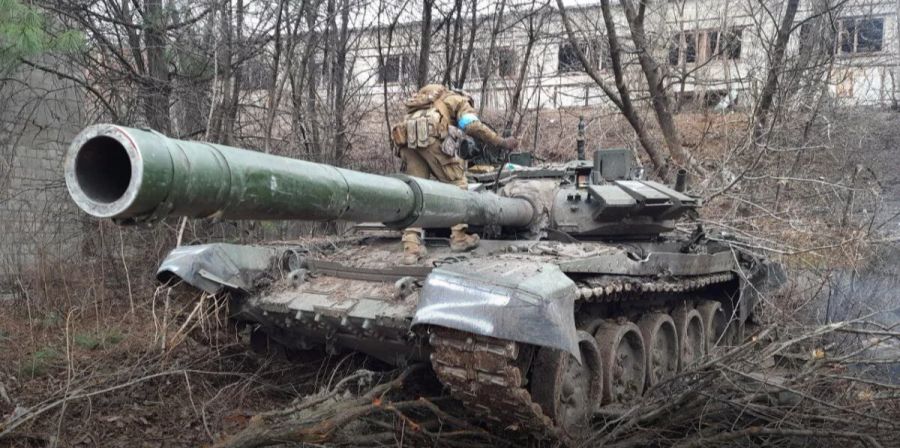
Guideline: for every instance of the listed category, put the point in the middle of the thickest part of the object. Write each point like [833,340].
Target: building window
[683,48]
[859,35]
[674,52]
[701,46]
[568,61]
[690,48]
[712,44]
[396,68]
[733,40]
[505,61]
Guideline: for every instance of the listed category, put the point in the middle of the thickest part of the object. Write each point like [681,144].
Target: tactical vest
[427,122]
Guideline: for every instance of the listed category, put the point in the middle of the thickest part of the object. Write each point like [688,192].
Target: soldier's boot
[460,241]
[413,249]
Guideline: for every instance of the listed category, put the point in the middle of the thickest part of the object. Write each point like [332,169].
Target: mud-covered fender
[522,301]
[214,267]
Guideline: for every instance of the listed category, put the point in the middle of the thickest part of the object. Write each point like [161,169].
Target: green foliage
[25,32]
[38,363]
[94,341]
[87,341]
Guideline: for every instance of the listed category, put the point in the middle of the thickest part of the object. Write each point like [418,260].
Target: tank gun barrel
[135,175]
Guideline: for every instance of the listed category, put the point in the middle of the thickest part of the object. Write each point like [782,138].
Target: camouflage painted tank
[580,296]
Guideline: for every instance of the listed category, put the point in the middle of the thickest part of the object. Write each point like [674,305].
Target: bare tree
[489,57]
[622,97]
[533,22]
[775,67]
[424,44]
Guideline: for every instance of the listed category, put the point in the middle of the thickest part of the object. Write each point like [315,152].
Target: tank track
[489,375]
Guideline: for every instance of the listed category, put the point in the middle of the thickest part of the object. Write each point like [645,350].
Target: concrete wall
[38,118]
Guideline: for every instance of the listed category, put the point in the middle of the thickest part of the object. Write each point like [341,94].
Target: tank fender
[213,267]
[523,301]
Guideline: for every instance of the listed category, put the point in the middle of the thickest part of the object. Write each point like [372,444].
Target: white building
[709,50]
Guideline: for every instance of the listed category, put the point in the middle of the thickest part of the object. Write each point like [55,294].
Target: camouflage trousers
[432,162]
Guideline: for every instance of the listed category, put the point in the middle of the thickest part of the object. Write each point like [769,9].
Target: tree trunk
[516,97]
[454,44]
[224,56]
[776,62]
[467,55]
[658,97]
[339,79]
[425,47]
[306,99]
[157,89]
[384,46]
[489,62]
[237,75]
[275,92]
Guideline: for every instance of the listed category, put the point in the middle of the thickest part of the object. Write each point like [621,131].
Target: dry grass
[74,379]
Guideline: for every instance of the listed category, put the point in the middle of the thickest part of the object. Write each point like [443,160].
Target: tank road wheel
[567,391]
[691,336]
[661,345]
[715,322]
[623,359]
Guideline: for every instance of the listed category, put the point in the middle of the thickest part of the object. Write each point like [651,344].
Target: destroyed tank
[582,294]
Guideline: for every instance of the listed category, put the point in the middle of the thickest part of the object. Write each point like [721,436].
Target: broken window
[568,61]
[505,62]
[861,35]
[700,46]
[396,68]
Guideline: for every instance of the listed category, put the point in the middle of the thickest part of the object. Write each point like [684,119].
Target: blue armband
[465,120]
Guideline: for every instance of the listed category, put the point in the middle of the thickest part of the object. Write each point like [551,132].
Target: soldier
[428,141]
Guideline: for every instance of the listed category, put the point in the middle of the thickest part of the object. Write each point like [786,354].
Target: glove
[510,143]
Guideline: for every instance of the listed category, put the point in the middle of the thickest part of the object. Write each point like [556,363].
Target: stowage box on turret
[581,294]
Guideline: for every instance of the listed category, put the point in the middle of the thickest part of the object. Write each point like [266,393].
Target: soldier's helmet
[425,96]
